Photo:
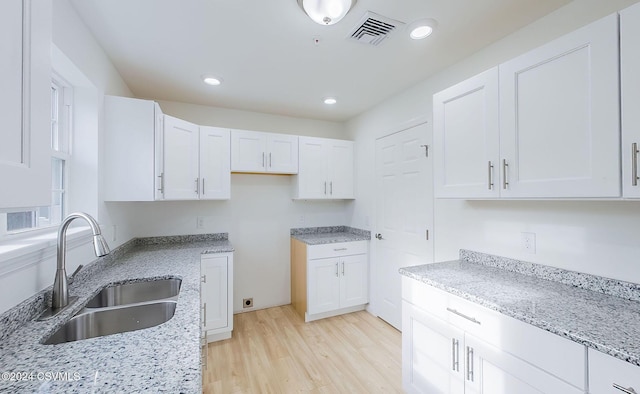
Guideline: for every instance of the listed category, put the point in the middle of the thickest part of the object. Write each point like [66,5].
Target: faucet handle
[72,277]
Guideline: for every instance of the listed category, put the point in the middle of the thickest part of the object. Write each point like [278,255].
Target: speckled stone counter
[328,235]
[164,358]
[597,312]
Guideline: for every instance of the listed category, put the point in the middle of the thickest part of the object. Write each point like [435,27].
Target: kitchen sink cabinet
[25,103]
[258,152]
[608,374]
[630,90]
[329,279]
[326,169]
[558,134]
[217,296]
[451,345]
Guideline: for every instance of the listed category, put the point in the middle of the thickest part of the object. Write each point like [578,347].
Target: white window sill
[32,247]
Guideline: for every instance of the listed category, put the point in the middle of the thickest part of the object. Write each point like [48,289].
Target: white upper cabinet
[630,84]
[181,159]
[215,162]
[559,117]
[257,152]
[25,103]
[466,137]
[326,169]
[132,128]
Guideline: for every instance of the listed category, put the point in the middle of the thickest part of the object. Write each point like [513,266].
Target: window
[40,217]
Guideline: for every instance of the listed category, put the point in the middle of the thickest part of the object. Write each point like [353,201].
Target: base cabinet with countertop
[329,279]
[217,295]
[611,375]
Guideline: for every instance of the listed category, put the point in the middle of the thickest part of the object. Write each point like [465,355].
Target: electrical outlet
[301,219]
[529,243]
[247,302]
[200,222]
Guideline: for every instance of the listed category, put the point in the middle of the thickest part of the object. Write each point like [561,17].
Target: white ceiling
[264,49]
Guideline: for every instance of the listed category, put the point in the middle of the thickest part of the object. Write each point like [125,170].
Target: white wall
[593,237]
[259,215]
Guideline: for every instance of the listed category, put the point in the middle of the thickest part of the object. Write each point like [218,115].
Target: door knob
[379,236]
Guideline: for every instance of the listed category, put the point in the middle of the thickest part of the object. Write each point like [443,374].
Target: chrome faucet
[60,295]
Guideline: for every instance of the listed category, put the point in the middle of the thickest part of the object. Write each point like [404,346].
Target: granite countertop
[328,235]
[600,313]
[164,358]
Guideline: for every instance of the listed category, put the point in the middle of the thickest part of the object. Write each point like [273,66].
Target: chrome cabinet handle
[490,175]
[337,272]
[379,237]
[470,363]
[426,150]
[331,187]
[634,164]
[627,390]
[161,176]
[270,162]
[204,278]
[339,249]
[204,307]
[505,181]
[343,268]
[203,186]
[471,319]
[325,188]
[197,185]
[455,348]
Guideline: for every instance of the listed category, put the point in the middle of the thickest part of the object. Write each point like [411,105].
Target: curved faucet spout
[60,296]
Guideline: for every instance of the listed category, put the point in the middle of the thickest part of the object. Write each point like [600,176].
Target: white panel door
[180,159]
[323,281]
[25,103]
[248,151]
[630,85]
[312,171]
[215,161]
[354,280]
[606,371]
[489,370]
[214,292]
[559,117]
[404,216]
[432,359]
[340,169]
[282,153]
[466,138]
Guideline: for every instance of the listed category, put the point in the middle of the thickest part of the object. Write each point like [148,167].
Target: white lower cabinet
[609,375]
[450,345]
[217,296]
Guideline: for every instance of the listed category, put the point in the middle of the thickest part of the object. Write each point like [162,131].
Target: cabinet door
[214,292]
[25,103]
[215,171]
[630,84]
[312,171]
[466,138]
[489,370]
[282,153]
[559,116]
[159,153]
[607,374]
[354,280]
[180,159]
[323,281]
[431,354]
[248,151]
[340,169]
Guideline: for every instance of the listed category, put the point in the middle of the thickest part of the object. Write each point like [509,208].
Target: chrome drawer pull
[634,164]
[455,346]
[471,319]
[470,363]
[339,249]
[627,390]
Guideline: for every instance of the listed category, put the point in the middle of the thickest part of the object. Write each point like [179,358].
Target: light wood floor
[274,351]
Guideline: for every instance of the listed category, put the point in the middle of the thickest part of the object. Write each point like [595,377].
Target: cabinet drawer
[336,249]
[605,371]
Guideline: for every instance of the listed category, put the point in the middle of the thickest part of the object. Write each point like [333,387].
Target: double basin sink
[122,308]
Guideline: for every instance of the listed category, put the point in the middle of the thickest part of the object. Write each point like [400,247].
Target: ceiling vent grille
[373,29]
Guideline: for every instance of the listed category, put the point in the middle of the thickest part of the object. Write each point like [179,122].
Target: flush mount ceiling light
[330,100]
[421,28]
[326,12]
[211,80]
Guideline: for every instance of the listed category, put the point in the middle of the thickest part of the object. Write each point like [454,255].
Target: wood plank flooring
[274,351]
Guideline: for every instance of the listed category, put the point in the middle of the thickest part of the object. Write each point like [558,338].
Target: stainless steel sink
[135,292]
[98,323]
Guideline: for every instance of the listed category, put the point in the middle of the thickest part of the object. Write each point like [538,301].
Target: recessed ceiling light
[330,100]
[212,80]
[422,28]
